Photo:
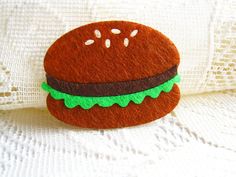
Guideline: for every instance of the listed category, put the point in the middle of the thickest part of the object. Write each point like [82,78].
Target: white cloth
[192,141]
[196,139]
[203,31]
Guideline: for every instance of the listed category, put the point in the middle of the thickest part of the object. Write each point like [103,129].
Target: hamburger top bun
[84,55]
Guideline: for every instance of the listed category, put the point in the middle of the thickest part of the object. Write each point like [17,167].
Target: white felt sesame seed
[97,33]
[133,33]
[107,43]
[115,31]
[126,42]
[89,42]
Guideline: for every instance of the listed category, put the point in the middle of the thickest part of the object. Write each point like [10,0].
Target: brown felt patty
[84,56]
[116,116]
[111,88]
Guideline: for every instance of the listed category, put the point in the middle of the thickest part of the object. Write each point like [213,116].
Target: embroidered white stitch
[115,31]
[133,33]
[126,42]
[89,42]
[97,33]
[107,43]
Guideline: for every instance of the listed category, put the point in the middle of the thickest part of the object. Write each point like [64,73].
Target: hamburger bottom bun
[115,116]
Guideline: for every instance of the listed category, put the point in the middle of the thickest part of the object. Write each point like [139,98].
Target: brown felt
[115,116]
[111,88]
[148,53]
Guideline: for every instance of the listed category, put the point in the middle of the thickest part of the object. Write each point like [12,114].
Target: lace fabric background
[196,139]
[203,31]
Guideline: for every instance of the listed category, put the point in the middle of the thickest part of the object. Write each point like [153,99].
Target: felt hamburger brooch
[111,74]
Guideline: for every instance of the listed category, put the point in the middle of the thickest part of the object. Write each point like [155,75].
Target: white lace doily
[187,142]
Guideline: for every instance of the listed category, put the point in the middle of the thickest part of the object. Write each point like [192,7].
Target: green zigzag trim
[72,101]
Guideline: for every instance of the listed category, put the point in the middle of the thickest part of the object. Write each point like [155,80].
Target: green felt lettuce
[72,101]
